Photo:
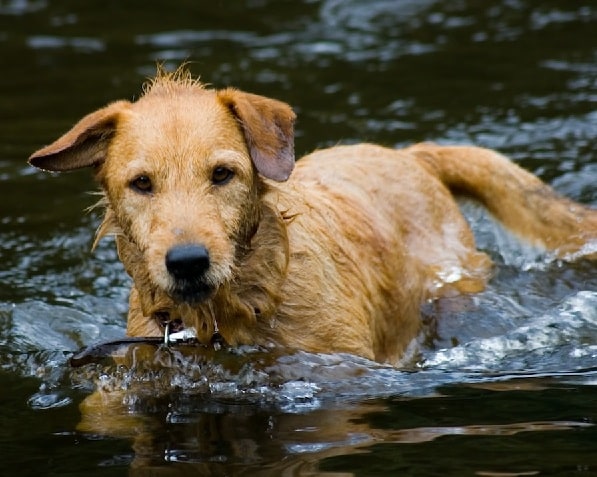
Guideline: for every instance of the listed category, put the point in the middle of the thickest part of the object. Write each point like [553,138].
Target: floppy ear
[268,127]
[86,144]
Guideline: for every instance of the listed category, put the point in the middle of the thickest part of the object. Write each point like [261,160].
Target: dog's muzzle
[188,265]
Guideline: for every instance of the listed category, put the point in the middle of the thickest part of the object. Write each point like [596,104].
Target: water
[501,383]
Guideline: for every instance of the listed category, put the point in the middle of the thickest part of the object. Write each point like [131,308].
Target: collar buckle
[185,336]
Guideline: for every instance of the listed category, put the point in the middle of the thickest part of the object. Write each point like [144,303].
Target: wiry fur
[337,257]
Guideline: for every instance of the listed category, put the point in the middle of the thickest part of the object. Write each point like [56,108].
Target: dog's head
[182,171]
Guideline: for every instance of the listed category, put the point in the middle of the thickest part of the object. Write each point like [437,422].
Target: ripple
[354,15]
[82,44]
[345,31]
[542,18]
[21,7]
[542,344]
[48,401]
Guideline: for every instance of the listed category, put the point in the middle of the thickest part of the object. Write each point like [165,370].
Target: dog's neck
[244,307]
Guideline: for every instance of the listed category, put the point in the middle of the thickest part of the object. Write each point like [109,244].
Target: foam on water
[544,343]
[39,338]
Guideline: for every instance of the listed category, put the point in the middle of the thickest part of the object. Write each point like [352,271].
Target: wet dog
[221,231]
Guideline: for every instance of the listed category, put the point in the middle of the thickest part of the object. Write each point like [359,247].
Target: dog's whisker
[101,203]
[212,313]
[108,227]
[216,340]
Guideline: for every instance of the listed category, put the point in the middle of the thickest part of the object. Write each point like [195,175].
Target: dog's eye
[142,184]
[221,175]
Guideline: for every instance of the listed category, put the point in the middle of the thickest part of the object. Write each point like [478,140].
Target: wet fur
[336,257]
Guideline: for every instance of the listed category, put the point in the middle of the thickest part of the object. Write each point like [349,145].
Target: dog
[223,232]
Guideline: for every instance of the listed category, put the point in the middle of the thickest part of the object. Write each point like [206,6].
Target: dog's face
[182,173]
[181,184]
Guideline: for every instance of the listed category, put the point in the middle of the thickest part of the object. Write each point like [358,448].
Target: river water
[502,383]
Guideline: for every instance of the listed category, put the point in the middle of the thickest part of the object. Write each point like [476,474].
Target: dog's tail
[523,203]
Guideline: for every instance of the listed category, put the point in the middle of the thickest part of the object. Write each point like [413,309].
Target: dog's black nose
[187,261]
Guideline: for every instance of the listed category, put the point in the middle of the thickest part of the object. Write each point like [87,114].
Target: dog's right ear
[268,127]
[86,144]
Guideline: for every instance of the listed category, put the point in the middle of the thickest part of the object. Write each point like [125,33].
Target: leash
[185,337]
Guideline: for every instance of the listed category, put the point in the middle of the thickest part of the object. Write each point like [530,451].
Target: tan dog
[219,234]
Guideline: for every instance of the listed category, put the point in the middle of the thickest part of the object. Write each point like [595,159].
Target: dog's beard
[192,291]
[201,288]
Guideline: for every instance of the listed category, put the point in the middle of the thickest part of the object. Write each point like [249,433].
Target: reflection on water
[502,382]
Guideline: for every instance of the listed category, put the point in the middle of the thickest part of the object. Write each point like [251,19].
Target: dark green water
[503,383]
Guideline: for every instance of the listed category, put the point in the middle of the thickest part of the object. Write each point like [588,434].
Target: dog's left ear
[85,145]
[268,127]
